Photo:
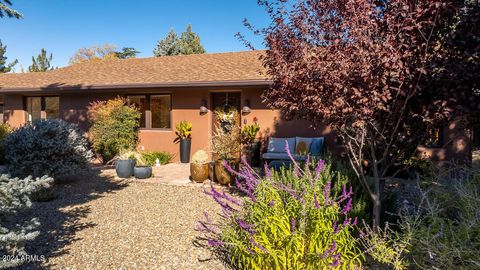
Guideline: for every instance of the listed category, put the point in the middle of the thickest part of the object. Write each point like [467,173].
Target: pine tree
[168,46]
[42,63]
[15,196]
[5,10]
[127,52]
[190,42]
[4,67]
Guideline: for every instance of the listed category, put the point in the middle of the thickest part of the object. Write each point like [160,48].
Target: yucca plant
[296,218]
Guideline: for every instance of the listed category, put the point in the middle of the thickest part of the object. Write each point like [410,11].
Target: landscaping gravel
[100,222]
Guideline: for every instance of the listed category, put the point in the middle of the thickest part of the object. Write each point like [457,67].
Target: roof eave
[58,86]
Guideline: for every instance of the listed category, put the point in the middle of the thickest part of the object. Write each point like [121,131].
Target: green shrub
[295,218]
[14,198]
[114,126]
[151,157]
[5,129]
[50,147]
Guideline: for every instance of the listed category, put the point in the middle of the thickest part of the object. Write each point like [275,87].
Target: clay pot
[199,172]
[223,176]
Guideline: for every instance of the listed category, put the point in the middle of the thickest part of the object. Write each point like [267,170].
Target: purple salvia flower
[355,221]
[319,168]
[326,192]
[336,259]
[268,173]
[315,201]
[332,249]
[335,228]
[271,203]
[292,224]
[347,222]
[250,251]
[347,207]
[295,164]
[215,243]
[245,226]
[252,240]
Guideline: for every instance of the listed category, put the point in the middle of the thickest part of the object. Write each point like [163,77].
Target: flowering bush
[294,218]
[115,126]
[50,147]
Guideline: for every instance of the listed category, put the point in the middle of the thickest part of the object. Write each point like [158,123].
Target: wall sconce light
[246,108]
[203,107]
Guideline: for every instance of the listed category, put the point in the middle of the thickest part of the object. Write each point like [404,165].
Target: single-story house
[167,90]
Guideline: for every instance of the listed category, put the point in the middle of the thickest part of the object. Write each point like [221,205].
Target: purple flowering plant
[292,218]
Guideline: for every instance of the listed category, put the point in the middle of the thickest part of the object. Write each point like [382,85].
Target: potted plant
[199,166]
[142,169]
[125,162]
[184,136]
[226,145]
[251,146]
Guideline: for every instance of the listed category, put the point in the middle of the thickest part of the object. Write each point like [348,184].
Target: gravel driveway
[103,223]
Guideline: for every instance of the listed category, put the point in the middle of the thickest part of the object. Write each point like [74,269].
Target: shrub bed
[151,157]
[50,147]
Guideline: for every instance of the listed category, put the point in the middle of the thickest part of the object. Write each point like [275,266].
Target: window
[155,110]
[42,108]
[141,103]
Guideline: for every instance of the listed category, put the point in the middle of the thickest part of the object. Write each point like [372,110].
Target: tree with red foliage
[369,70]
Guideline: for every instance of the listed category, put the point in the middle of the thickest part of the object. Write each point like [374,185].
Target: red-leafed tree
[369,69]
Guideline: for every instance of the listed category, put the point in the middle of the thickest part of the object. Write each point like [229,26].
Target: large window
[155,110]
[42,108]
[435,137]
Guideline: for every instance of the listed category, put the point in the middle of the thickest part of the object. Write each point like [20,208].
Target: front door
[225,101]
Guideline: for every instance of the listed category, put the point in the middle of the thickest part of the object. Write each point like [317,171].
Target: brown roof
[234,68]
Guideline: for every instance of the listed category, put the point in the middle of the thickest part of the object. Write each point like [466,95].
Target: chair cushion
[316,146]
[273,155]
[302,145]
[277,145]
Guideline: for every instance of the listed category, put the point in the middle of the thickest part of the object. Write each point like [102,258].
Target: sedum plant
[200,157]
[47,147]
[114,126]
[296,218]
[14,198]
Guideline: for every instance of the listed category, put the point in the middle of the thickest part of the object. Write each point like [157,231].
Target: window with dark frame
[155,110]
[42,108]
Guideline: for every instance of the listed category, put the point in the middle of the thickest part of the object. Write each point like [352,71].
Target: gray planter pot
[124,167]
[142,172]
[185,145]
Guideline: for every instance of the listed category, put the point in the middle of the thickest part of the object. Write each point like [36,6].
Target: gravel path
[104,223]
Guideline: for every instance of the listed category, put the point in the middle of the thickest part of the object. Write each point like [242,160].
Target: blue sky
[63,26]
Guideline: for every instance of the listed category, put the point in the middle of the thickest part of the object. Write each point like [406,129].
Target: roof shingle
[168,70]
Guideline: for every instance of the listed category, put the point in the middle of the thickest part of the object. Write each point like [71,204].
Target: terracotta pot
[223,176]
[199,172]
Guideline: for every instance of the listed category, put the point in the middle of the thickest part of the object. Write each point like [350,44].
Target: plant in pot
[251,147]
[125,162]
[199,166]
[142,169]
[184,136]
[225,146]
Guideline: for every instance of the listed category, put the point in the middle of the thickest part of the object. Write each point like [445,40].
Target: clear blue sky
[63,26]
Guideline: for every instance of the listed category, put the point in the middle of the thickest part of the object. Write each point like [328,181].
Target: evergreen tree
[4,67]
[190,42]
[5,10]
[168,46]
[42,63]
[127,52]
[15,197]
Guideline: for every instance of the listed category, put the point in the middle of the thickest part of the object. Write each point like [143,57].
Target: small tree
[105,51]
[42,63]
[115,126]
[127,52]
[4,67]
[190,42]
[167,46]
[364,68]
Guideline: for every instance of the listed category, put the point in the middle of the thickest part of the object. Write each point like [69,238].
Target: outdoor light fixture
[246,108]
[203,107]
